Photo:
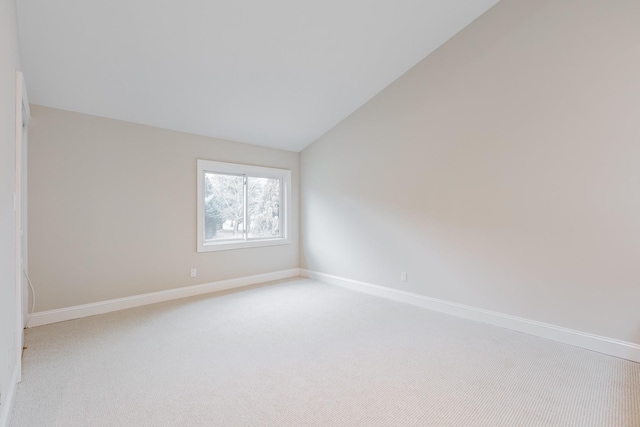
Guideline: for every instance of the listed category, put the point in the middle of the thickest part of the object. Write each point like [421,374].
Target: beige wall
[502,172]
[9,63]
[112,209]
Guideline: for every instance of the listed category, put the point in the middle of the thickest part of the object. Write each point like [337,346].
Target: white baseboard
[610,346]
[7,401]
[84,310]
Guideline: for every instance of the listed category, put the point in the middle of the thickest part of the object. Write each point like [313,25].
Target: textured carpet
[302,353]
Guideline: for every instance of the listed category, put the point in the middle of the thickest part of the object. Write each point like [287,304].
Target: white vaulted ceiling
[278,73]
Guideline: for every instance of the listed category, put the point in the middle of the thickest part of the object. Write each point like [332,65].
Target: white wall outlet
[193,272]
[403,276]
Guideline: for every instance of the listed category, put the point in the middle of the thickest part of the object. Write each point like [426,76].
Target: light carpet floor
[303,353]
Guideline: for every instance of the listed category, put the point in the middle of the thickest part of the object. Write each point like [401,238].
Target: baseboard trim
[7,403]
[610,346]
[84,310]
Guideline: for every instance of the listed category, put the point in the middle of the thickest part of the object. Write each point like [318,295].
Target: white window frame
[211,166]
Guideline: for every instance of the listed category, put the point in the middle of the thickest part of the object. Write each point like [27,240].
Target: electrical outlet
[403,276]
[193,272]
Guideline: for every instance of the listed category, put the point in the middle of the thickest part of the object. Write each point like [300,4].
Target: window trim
[212,166]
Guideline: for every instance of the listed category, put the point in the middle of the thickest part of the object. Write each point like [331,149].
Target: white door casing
[22,120]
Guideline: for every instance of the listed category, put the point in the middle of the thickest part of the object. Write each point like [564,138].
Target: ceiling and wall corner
[278,73]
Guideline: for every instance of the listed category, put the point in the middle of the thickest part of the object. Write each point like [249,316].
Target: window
[242,206]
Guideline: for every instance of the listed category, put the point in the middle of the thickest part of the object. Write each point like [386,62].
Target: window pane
[264,207]
[223,206]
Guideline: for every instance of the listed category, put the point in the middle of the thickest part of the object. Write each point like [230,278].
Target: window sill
[227,246]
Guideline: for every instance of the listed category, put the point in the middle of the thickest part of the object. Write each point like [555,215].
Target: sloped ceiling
[278,73]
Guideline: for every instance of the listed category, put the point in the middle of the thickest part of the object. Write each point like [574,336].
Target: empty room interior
[324,213]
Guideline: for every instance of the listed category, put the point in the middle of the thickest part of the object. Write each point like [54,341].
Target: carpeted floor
[302,353]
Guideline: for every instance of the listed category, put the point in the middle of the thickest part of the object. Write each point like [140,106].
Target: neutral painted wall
[112,209]
[501,172]
[9,63]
